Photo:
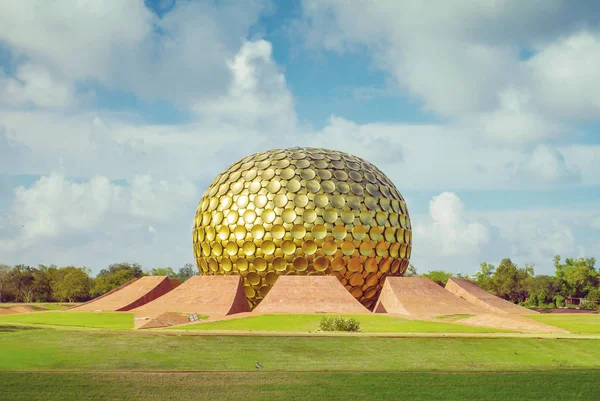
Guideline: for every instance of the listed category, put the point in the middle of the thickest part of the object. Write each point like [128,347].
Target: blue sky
[486,118]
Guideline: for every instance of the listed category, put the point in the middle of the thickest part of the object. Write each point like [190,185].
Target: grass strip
[60,349]
[310,323]
[552,386]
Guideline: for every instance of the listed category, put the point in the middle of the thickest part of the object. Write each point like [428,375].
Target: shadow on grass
[6,328]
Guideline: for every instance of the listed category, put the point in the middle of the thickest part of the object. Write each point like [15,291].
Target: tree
[41,282]
[541,289]
[186,272]
[576,277]
[508,281]
[4,279]
[74,285]
[163,271]
[438,276]
[483,277]
[116,275]
[133,269]
[20,281]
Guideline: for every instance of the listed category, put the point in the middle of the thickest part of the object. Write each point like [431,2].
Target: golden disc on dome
[300,263]
[330,215]
[319,231]
[277,231]
[287,173]
[309,216]
[321,264]
[268,215]
[309,247]
[307,174]
[298,231]
[288,215]
[293,185]
[288,247]
[279,264]
[339,233]
[321,200]
[302,164]
[257,231]
[301,200]
[267,247]
[313,186]
[260,264]
[325,174]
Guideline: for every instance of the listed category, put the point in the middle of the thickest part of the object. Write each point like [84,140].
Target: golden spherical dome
[303,211]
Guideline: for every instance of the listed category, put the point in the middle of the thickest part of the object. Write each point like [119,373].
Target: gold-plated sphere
[303,211]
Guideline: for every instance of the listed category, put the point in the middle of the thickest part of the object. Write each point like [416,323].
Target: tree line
[22,283]
[574,279]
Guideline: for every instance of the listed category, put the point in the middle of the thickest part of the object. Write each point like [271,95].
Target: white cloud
[257,94]
[35,85]
[55,207]
[549,165]
[96,222]
[449,230]
[122,44]
[565,75]
[536,236]
[463,60]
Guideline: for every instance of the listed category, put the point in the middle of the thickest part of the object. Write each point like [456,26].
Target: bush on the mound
[338,323]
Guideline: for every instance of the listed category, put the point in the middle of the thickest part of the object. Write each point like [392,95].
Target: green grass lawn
[575,323]
[306,323]
[553,386]
[91,350]
[105,320]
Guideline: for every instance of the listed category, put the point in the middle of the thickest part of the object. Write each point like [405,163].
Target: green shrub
[593,295]
[588,306]
[560,301]
[338,323]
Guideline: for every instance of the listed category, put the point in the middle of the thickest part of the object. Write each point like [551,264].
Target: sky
[116,115]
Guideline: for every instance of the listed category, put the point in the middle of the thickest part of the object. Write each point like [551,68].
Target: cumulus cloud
[549,165]
[537,235]
[257,93]
[565,77]
[12,153]
[464,61]
[35,85]
[180,57]
[449,228]
[55,206]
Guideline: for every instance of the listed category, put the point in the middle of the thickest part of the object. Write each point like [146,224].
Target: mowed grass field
[310,323]
[72,356]
[46,349]
[549,386]
[104,320]
[576,323]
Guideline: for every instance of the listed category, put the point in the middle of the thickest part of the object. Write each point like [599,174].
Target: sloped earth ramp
[478,296]
[133,295]
[205,295]
[309,294]
[420,296]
